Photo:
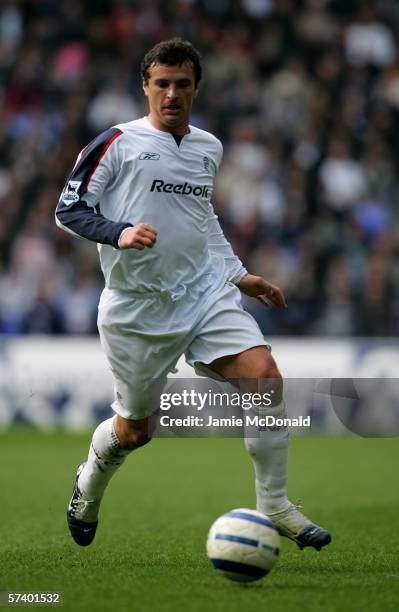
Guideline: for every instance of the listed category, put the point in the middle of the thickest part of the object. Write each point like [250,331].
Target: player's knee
[267,372]
[267,368]
[132,434]
[134,439]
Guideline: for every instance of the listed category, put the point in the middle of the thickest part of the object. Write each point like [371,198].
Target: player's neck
[180,130]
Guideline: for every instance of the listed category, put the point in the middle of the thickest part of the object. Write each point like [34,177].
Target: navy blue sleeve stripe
[91,157]
[84,221]
[72,212]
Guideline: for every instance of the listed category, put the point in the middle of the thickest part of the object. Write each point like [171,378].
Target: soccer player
[142,190]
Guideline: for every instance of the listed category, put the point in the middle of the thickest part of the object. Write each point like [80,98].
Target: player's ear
[144,83]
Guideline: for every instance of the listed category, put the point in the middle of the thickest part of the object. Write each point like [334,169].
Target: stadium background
[305,97]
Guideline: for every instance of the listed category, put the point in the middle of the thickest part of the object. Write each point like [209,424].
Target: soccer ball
[243,545]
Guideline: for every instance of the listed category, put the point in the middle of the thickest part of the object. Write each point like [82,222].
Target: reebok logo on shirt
[147,155]
[183,188]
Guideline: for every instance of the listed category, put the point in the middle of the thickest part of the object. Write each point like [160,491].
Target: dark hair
[173,52]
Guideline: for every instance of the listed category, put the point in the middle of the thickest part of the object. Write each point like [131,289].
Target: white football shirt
[135,173]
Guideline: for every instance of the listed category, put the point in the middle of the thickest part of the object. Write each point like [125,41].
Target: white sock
[269,453]
[105,457]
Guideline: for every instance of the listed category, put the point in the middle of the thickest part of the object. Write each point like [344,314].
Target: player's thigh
[254,370]
[140,352]
[230,343]
[256,362]
[225,329]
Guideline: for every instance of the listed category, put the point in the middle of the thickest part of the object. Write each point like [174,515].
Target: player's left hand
[257,287]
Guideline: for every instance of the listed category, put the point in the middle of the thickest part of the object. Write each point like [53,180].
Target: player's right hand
[138,237]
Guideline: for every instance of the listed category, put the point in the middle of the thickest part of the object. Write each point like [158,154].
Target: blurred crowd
[304,95]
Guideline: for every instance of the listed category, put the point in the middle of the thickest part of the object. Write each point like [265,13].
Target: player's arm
[254,286]
[218,244]
[262,290]
[78,211]
[138,237]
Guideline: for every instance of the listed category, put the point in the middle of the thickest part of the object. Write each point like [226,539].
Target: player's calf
[105,456]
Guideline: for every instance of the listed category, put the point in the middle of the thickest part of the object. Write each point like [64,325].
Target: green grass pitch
[149,553]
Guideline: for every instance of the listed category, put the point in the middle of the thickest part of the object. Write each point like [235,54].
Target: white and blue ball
[243,545]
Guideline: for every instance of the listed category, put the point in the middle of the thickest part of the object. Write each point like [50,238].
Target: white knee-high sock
[105,457]
[269,453]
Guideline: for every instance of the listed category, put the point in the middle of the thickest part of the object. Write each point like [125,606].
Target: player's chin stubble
[173,122]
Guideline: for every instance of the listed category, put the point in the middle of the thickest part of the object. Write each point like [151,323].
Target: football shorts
[143,336]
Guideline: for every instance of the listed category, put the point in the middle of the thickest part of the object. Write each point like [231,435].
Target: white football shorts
[144,336]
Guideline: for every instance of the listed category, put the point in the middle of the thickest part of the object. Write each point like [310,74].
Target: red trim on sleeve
[103,152]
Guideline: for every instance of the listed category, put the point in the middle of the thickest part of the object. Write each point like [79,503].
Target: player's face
[170,91]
